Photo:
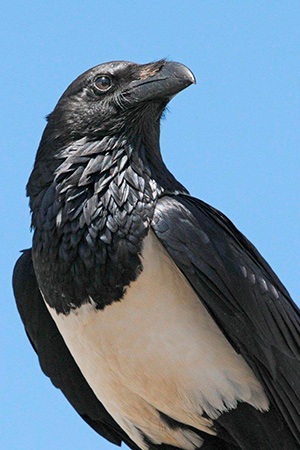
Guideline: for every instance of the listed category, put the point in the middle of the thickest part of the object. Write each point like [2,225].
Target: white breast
[158,349]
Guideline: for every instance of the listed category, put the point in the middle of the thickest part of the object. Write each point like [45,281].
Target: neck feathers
[91,219]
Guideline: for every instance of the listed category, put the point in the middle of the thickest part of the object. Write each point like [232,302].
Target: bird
[159,321]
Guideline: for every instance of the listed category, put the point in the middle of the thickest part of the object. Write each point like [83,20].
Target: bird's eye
[102,83]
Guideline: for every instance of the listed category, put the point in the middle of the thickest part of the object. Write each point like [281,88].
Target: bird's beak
[160,80]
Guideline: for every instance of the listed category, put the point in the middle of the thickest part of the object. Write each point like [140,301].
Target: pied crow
[159,321]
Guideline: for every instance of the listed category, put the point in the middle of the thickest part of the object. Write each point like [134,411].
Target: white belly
[158,349]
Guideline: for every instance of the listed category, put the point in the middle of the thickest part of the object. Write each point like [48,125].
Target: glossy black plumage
[98,187]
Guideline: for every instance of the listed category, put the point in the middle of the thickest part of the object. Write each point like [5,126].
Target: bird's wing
[55,359]
[241,292]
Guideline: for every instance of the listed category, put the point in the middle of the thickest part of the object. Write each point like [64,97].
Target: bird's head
[109,105]
[116,96]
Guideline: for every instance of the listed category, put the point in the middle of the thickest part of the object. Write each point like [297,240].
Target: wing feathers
[241,292]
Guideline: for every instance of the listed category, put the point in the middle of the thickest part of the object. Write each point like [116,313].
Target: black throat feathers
[91,209]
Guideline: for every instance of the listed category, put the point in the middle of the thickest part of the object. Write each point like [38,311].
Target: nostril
[151,69]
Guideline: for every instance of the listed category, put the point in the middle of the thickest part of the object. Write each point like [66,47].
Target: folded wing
[241,292]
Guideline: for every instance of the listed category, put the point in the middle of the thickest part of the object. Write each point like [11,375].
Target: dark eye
[102,83]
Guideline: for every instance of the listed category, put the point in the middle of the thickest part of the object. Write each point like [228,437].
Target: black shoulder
[55,359]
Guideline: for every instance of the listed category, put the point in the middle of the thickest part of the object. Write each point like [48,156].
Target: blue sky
[232,140]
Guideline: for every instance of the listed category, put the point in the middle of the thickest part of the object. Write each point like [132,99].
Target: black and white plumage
[159,321]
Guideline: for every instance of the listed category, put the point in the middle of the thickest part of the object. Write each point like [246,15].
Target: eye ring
[102,83]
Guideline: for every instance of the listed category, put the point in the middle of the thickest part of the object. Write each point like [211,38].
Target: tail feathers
[252,429]
[210,443]
[244,428]
[285,392]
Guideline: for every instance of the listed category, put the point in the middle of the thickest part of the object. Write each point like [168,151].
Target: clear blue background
[233,140]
